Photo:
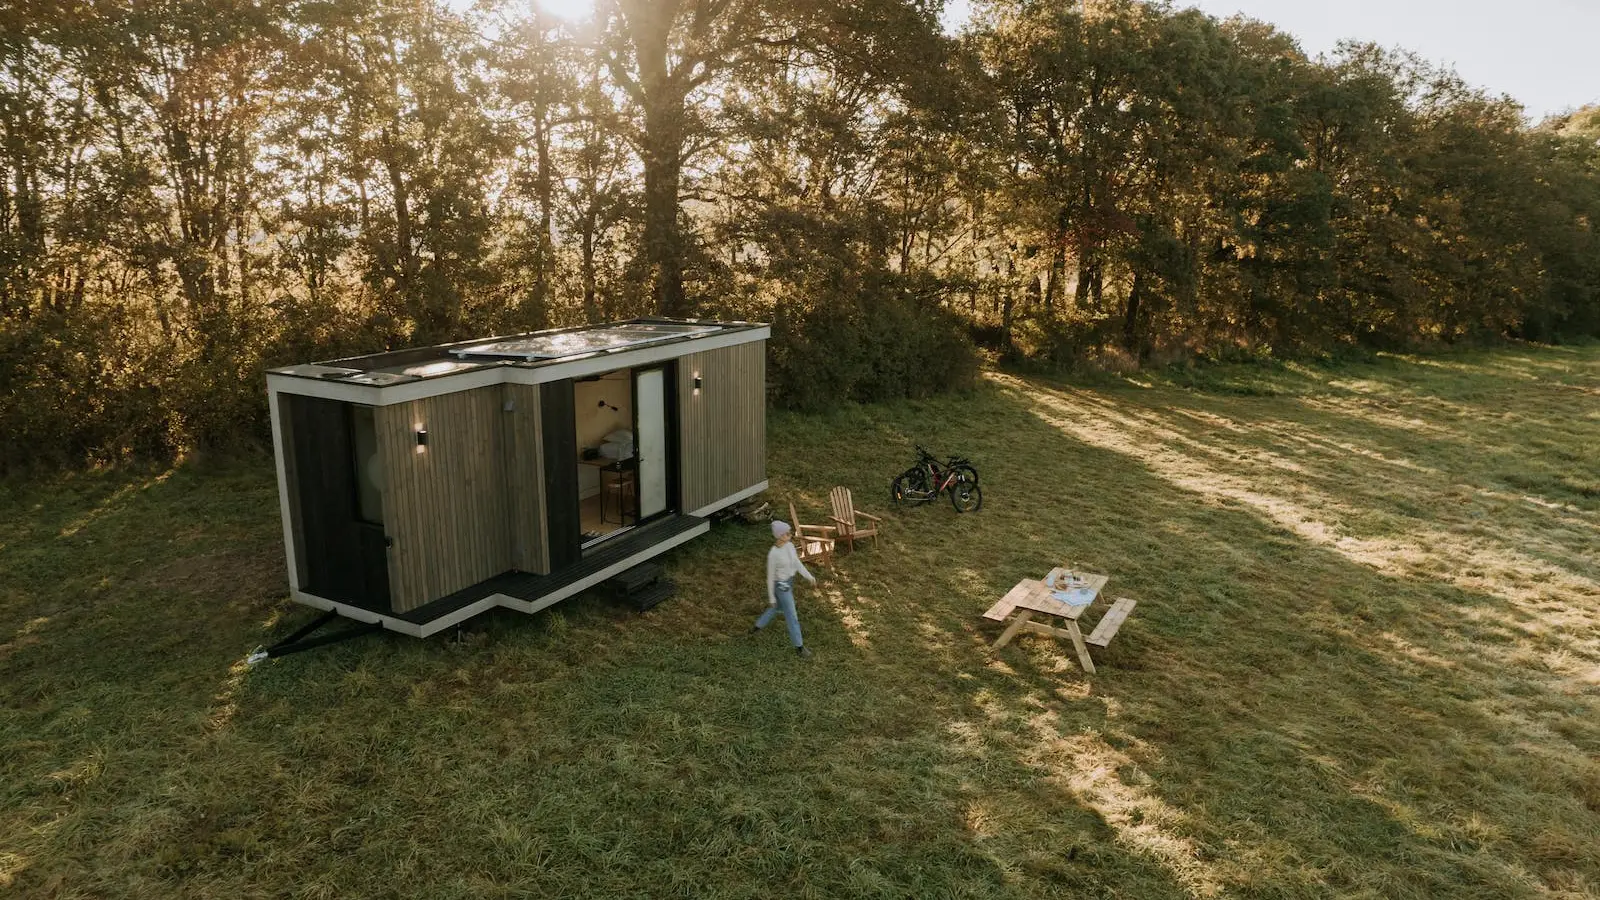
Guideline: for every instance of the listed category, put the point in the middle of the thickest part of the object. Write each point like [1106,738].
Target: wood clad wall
[445,509]
[722,432]
[524,480]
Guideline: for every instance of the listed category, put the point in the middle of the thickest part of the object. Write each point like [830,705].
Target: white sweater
[782,564]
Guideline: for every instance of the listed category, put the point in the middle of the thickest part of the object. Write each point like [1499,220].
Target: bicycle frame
[954,477]
[939,476]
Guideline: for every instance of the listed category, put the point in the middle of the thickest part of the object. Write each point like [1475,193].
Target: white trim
[435,626]
[632,359]
[497,373]
[729,500]
[326,390]
[372,395]
[590,581]
[357,613]
[278,451]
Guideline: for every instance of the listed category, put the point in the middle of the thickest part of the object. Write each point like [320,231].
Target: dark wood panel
[338,562]
[374,564]
[563,531]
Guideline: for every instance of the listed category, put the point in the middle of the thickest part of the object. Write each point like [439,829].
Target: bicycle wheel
[966,472]
[911,486]
[966,497]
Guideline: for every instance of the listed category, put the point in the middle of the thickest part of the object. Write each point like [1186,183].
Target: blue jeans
[784,591]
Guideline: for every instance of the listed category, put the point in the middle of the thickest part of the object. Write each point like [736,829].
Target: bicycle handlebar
[925,456]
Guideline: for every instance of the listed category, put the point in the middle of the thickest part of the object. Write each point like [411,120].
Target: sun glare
[571,10]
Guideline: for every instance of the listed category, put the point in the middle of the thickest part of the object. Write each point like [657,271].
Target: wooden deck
[532,588]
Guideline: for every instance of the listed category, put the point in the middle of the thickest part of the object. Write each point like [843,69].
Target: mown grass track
[1366,662]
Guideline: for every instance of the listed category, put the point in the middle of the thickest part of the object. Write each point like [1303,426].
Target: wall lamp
[609,406]
[422,439]
[697,384]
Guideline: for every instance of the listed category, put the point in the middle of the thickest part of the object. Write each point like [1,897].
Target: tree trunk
[1058,263]
[1086,267]
[591,313]
[403,257]
[1058,266]
[1007,314]
[538,312]
[663,169]
[1130,322]
[403,272]
[1008,308]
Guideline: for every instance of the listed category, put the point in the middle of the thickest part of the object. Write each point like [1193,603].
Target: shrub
[866,350]
[83,385]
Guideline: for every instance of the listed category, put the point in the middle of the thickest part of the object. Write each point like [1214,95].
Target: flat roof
[529,350]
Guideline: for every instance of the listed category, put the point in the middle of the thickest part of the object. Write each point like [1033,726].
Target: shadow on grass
[1432,641]
[1362,665]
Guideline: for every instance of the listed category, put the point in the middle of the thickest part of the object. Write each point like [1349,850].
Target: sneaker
[803,652]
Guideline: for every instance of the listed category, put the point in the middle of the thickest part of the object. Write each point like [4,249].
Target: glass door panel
[651,453]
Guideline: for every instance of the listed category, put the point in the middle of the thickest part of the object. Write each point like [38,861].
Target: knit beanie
[779,528]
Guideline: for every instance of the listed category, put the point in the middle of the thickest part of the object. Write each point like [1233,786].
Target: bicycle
[926,480]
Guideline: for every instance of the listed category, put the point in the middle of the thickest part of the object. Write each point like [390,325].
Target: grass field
[1365,663]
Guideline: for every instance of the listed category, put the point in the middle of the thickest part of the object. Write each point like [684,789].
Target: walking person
[783,563]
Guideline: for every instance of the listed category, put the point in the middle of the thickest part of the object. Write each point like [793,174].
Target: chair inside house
[848,519]
[812,542]
[622,497]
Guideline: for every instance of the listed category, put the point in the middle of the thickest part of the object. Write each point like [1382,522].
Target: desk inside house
[1030,597]
[620,472]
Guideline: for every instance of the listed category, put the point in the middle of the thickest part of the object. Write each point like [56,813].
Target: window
[368,464]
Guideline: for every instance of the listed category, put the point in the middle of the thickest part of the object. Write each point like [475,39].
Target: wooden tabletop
[1096,583]
[1037,596]
[605,462]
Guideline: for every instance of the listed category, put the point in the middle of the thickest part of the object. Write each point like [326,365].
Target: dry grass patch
[1366,662]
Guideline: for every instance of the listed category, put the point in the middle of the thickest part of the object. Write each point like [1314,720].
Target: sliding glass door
[650,410]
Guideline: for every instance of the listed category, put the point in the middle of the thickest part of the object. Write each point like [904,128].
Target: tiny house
[421,487]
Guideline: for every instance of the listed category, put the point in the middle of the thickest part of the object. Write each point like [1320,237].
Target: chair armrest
[868,516]
[842,523]
[824,528]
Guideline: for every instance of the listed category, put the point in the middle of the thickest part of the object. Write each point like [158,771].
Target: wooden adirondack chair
[812,542]
[848,518]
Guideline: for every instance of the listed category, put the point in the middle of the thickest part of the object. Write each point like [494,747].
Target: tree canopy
[192,191]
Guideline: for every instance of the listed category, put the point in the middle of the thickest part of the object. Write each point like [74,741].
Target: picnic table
[1030,598]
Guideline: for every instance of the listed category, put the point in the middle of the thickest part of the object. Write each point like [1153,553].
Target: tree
[666,54]
[538,81]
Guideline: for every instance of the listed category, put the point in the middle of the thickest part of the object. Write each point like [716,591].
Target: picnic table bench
[1030,597]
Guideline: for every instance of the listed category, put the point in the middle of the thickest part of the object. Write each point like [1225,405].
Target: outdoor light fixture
[697,384]
[422,439]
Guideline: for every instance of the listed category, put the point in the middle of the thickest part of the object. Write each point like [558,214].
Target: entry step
[642,586]
[635,579]
[654,594]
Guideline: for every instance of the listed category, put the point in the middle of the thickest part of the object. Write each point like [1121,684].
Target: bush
[83,386]
[867,350]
